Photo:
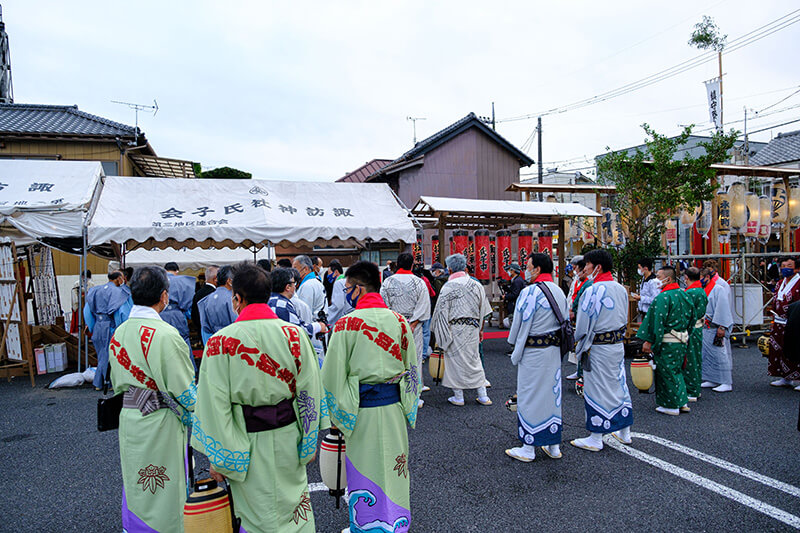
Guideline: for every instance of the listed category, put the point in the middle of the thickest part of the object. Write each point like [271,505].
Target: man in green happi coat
[698,301]
[152,367]
[258,414]
[665,332]
[372,387]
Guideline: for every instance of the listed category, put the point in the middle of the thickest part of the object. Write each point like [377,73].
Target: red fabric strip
[670,287]
[256,312]
[605,276]
[544,277]
[371,300]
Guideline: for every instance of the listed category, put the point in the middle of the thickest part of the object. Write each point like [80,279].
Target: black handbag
[566,329]
[108,408]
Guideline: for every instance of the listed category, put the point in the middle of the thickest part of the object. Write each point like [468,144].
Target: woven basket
[207,509]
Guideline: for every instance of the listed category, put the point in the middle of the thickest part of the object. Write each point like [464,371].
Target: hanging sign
[714,102]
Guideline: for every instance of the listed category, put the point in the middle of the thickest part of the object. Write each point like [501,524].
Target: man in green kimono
[372,387]
[665,332]
[151,367]
[692,373]
[257,416]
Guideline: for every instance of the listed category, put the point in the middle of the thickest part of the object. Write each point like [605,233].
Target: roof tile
[785,148]
[35,119]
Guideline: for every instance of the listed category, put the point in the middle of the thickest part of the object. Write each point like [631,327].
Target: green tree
[652,186]
[225,173]
[706,35]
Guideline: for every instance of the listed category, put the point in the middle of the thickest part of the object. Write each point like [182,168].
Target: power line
[736,44]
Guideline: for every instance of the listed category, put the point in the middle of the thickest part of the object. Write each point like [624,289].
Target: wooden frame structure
[9,365]
[456,213]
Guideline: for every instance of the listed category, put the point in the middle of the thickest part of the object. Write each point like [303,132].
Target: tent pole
[81,270]
[562,232]
[80,310]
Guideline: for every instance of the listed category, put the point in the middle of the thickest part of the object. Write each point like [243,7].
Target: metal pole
[81,270]
[744,320]
[83,255]
[539,142]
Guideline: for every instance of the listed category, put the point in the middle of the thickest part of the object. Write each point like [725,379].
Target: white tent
[163,212]
[40,199]
[194,258]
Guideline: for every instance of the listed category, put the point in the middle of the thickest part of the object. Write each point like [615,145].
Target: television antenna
[137,108]
[414,122]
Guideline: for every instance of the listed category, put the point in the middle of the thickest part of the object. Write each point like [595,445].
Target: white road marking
[713,486]
[721,463]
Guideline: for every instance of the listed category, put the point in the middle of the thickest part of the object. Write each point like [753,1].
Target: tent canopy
[467,213]
[47,199]
[162,212]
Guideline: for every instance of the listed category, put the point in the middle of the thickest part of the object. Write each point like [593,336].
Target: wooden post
[562,237]
[442,241]
[785,235]
[714,237]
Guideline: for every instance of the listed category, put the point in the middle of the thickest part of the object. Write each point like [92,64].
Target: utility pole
[721,102]
[539,140]
[493,122]
[6,87]
[414,122]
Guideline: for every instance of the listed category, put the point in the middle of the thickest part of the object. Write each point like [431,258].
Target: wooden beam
[714,244]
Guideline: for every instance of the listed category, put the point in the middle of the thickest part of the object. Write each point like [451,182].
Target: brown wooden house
[467,159]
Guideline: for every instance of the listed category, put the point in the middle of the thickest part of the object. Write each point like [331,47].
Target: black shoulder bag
[108,408]
[566,329]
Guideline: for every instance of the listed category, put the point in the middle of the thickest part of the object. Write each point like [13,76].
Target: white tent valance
[161,212]
[47,198]
[434,204]
[195,258]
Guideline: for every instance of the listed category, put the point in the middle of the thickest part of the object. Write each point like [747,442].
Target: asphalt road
[61,475]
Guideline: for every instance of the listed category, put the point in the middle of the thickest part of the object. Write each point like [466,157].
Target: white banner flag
[714,102]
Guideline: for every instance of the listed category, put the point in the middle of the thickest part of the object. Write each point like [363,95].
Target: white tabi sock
[625,433]
[482,393]
[525,450]
[554,449]
[458,394]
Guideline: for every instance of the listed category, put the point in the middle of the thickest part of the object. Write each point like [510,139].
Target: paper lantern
[332,455]
[435,250]
[723,216]
[546,243]
[607,225]
[794,206]
[780,205]
[524,246]
[671,231]
[736,194]
[493,254]
[503,254]
[471,254]
[588,224]
[688,216]
[417,249]
[461,242]
[483,265]
[436,366]
[764,219]
[703,223]
[619,239]
[753,215]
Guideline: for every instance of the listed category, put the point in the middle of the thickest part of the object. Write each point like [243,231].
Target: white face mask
[639,271]
[594,273]
[528,275]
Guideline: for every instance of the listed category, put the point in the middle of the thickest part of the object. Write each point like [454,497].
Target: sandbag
[70,380]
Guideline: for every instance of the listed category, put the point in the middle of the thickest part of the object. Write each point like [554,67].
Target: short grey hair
[456,262]
[304,260]
[577,259]
[211,272]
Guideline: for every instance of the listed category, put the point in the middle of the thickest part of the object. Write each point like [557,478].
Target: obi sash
[466,321]
[378,394]
[679,337]
[610,337]
[267,417]
[147,401]
[551,338]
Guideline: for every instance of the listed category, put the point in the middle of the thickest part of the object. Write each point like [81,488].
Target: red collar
[456,275]
[403,271]
[670,287]
[256,312]
[544,277]
[695,285]
[371,300]
[605,276]
[710,285]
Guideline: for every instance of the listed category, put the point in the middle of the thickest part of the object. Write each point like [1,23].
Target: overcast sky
[312,90]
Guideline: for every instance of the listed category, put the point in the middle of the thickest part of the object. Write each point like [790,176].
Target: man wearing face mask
[649,288]
[717,322]
[780,366]
[584,281]
[665,332]
[150,361]
[216,310]
[693,371]
[283,287]
[599,331]
[258,416]
[372,389]
[337,307]
[517,284]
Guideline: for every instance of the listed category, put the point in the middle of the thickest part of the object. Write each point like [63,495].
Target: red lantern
[493,250]
[417,249]
[435,250]
[525,246]
[483,265]
[461,242]
[503,254]
[546,243]
[471,254]
[452,246]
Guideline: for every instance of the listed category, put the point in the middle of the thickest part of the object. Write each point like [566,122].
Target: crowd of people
[297,348]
